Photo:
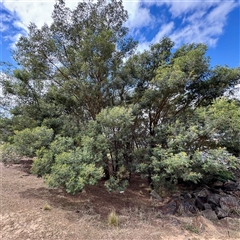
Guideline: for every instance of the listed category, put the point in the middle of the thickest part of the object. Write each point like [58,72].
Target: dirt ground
[24,201]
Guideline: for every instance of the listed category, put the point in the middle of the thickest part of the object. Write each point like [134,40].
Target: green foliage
[190,227]
[223,123]
[196,166]
[46,157]
[167,165]
[63,165]
[88,45]
[216,164]
[43,163]
[116,126]
[61,144]
[119,182]
[5,129]
[28,141]
[73,171]
[115,184]
[107,141]
[161,112]
[9,154]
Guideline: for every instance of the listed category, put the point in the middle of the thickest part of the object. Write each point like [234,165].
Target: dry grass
[90,215]
[191,228]
[47,207]
[113,219]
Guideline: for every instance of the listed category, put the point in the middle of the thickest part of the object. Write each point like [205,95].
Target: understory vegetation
[86,106]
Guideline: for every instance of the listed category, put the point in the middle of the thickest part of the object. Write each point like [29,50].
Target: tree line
[88,106]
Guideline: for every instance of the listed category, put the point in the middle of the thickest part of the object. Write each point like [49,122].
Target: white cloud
[220,12]
[3,27]
[38,12]
[180,8]
[186,21]
[204,26]
[5,17]
[13,39]
[164,31]
[138,15]
[24,12]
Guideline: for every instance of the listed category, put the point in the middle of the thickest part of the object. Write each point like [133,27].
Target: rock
[228,202]
[217,184]
[202,194]
[207,206]
[230,186]
[170,208]
[199,203]
[212,205]
[220,213]
[209,214]
[155,195]
[189,208]
[213,199]
[187,196]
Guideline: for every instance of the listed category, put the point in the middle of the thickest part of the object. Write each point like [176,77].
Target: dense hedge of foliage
[86,106]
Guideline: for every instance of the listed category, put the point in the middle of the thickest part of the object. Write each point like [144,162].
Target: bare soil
[30,210]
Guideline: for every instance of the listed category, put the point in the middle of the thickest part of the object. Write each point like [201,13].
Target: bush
[62,144]
[9,154]
[216,164]
[200,166]
[46,157]
[73,170]
[116,184]
[167,165]
[43,163]
[28,141]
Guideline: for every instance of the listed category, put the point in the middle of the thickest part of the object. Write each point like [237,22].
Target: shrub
[46,157]
[167,165]
[43,163]
[9,154]
[73,170]
[116,184]
[216,164]
[28,141]
[200,166]
[64,165]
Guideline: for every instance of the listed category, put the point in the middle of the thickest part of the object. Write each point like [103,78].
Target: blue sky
[215,23]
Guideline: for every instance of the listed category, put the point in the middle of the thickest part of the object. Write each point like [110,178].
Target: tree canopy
[87,105]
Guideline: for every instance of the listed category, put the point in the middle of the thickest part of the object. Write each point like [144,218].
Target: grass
[47,207]
[191,228]
[113,219]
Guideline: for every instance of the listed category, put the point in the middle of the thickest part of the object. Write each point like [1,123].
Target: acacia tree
[80,53]
[179,84]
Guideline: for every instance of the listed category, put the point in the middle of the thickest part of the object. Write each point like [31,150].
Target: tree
[79,54]
[108,109]
[222,121]
[178,85]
